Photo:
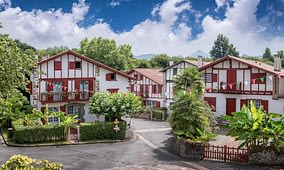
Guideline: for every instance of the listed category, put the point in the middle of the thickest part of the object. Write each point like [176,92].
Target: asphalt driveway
[152,148]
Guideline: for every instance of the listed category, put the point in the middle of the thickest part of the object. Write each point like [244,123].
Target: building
[148,84]
[231,82]
[67,80]
[170,72]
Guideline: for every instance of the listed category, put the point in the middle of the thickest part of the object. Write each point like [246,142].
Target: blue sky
[175,27]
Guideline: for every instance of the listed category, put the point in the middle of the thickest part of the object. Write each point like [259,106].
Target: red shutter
[108,77]
[112,90]
[243,102]
[91,85]
[57,65]
[141,90]
[77,88]
[132,88]
[141,77]
[42,109]
[153,89]
[71,65]
[211,102]
[65,85]
[158,104]
[264,103]
[159,89]
[214,77]
[62,109]
[30,87]
[50,89]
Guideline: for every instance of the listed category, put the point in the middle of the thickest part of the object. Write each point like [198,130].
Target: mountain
[200,53]
[145,56]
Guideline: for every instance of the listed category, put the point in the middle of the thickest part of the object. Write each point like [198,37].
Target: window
[111,77]
[53,109]
[174,71]
[74,109]
[54,120]
[57,91]
[257,103]
[78,64]
[207,77]
[84,87]
[57,65]
[112,90]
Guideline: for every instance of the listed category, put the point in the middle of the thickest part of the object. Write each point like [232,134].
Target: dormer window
[78,65]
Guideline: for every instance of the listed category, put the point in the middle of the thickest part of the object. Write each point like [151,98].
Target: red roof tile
[153,74]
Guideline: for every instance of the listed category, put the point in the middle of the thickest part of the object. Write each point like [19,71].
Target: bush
[24,162]
[157,114]
[101,131]
[37,134]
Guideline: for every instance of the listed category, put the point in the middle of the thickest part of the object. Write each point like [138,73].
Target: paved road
[151,148]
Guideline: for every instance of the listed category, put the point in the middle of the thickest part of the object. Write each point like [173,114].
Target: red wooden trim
[211,102]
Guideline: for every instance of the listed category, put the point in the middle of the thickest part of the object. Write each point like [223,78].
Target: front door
[230,106]
[231,79]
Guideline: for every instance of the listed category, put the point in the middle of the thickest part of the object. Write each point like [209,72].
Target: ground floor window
[257,102]
[212,102]
[54,120]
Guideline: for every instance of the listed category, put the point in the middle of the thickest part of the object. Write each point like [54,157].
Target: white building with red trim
[232,82]
[67,80]
[148,84]
[169,74]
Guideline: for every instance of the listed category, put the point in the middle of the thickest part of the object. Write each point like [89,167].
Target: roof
[153,74]
[192,62]
[87,59]
[256,64]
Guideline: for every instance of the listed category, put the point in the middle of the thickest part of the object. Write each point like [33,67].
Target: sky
[174,27]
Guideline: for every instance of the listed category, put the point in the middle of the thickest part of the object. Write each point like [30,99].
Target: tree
[281,54]
[222,47]
[107,52]
[190,116]
[256,128]
[14,66]
[189,80]
[114,105]
[142,63]
[50,51]
[160,61]
[267,54]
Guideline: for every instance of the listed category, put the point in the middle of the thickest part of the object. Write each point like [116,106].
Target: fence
[227,154]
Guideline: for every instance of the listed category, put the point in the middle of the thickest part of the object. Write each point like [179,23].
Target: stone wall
[267,158]
[188,149]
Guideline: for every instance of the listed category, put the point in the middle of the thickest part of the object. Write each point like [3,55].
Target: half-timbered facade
[170,72]
[148,84]
[66,82]
[231,82]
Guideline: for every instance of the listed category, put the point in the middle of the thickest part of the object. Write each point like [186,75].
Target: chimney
[199,61]
[277,63]
[171,63]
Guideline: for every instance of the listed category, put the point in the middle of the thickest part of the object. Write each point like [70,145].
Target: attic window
[78,64]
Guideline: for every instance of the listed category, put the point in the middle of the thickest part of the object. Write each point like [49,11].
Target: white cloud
[169,34]
[5,4]
[115,3]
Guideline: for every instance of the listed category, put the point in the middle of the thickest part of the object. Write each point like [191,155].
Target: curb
[130,139]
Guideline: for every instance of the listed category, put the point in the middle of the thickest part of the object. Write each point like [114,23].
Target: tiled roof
[257,64]
[153,74]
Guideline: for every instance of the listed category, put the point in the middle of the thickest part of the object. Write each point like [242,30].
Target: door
[230,106]
[231,79]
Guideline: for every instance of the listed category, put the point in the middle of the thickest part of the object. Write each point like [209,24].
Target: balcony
[51,97]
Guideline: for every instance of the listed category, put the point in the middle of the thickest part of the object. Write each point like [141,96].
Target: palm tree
[189,80]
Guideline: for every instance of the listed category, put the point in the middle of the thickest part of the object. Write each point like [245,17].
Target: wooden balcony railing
[65,96]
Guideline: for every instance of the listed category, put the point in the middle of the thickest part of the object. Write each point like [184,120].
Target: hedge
[37,134]
[101,131]
[157,114]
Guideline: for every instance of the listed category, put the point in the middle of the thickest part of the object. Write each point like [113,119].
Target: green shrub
[102,131]
[24,162]
[37,134]
[157,114]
